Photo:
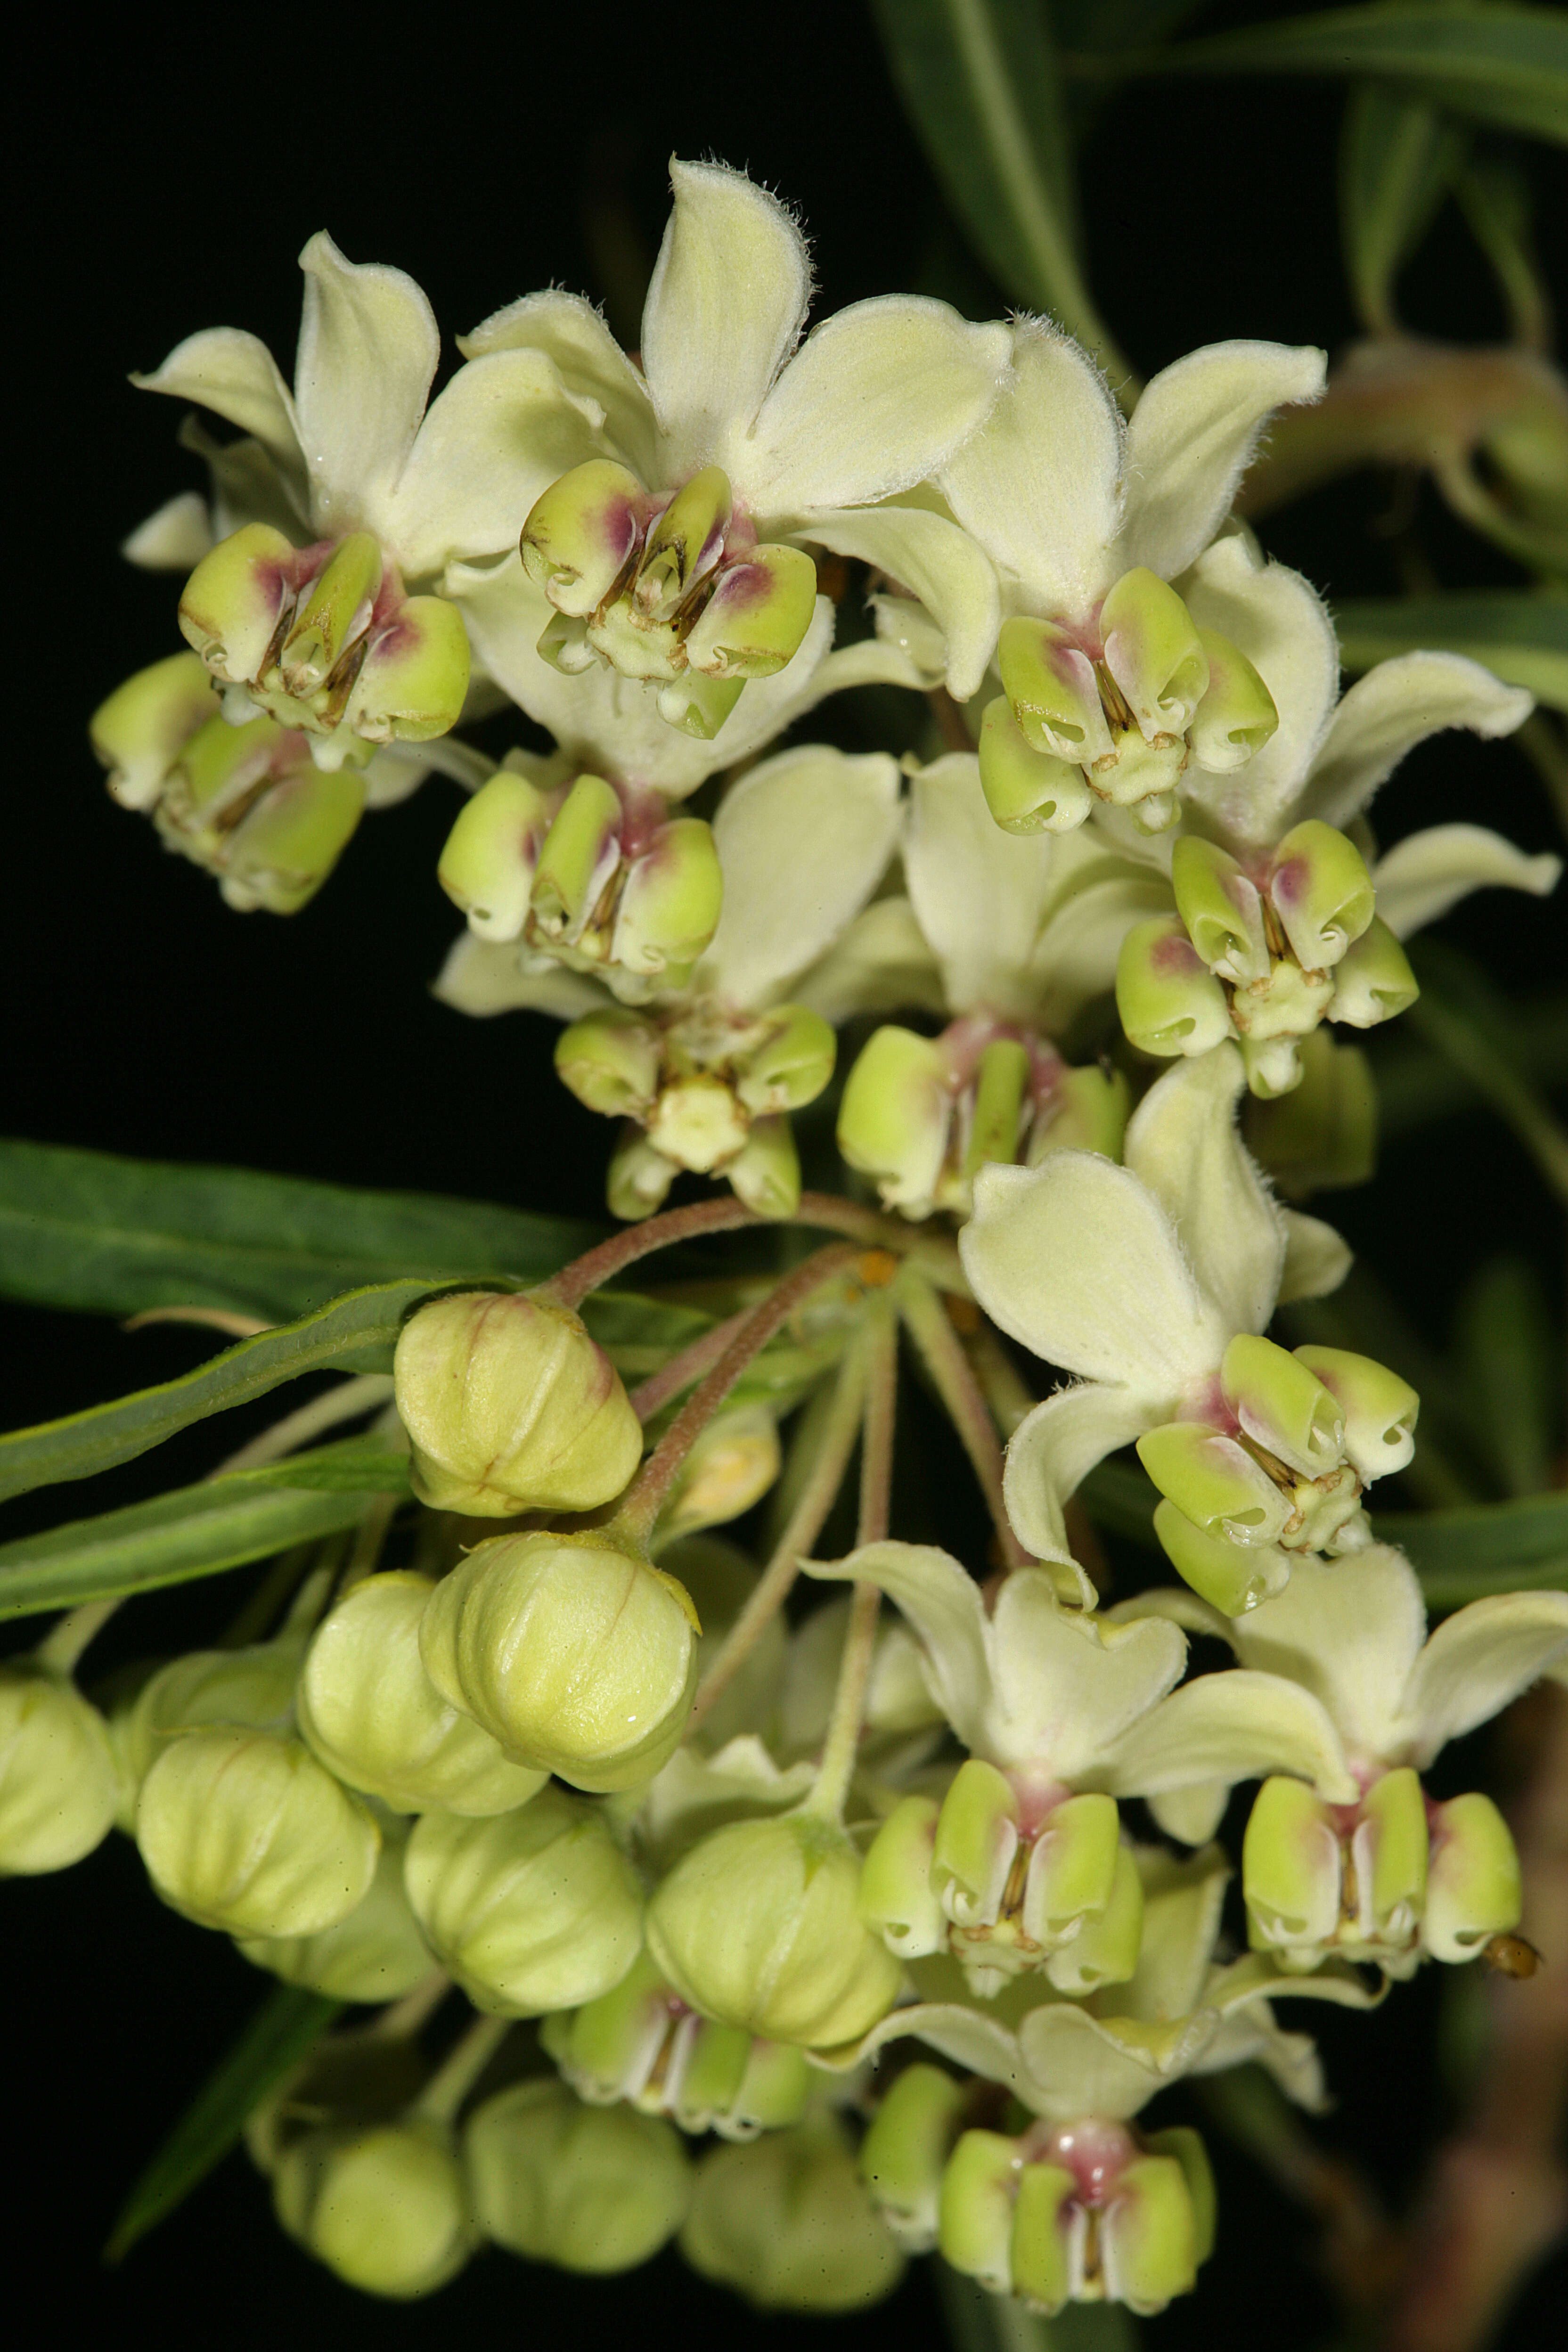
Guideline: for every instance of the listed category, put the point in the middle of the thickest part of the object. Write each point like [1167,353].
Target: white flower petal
[1182,1904]
[1317,1259]
[872,403]
[236,376]
[1282,625]
[1348,1631]
[1039,485]
[1081,2065]
[781,912]
[725,306]
[1192,1815]
[368,349]
[1075,956]
[1232,1726]
[880,964]
[982,2044]
[1477,1660]
[1252,2034]
[935,561]
[501,432]
[482,976]
[1392,708]
[1192,438]
[1055,1447]
[174,539]
[591,364]
[977,891]
[1182,1141]
[942,1602]
[1425,875]
[1078,1259]
[1064,1688]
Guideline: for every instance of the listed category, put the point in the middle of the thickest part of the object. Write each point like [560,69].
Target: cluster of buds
[675,589]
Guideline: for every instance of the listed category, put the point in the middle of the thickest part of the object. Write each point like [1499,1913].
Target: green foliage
[1520,635]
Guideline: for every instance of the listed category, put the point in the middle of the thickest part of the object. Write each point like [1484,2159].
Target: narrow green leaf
[288,2024]
[356,1334]
[112,1236]
[1510,1358]
[1494,196]
[1460,1012]
[1464,1555]
[1397,157]
[1523,637]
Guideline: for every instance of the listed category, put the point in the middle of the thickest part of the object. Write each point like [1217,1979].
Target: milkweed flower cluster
[814,1945]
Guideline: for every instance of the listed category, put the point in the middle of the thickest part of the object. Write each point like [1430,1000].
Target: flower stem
[64,1642]
[402,2020]
[944,1355]
[655,1393]
[843,1739]
[460,2068]
[360,1394]
[597,1266]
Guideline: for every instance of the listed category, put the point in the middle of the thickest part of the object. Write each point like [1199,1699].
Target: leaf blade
[1521,636]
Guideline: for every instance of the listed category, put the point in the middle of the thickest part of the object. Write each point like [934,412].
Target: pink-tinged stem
[843,1737]
[689,1365]
[597,1266]
[941,1350]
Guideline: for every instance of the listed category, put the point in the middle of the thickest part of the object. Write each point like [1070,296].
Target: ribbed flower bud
[1167,999]
[904,2154]
[509,1406]
[756,1926]
[579,1656]
[530,1911]
[787,2223]
[376,1953]
[59,1786]
[589,2188]
[374,1717]
[244,1830]
[1027,791]
[383,2205]
[730,1466]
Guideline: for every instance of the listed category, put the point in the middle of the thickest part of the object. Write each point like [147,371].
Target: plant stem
[213,1319]
[836,1443]
[689,1365]
[402,2020]
[64,1642]
[643,1502]
[360,1394]
[942,1352]
[597,1266]
[460,2068]
[369,1537]
[842,1738]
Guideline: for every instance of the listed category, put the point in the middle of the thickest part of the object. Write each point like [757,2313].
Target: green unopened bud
[1153,653]
[1221,908]
[1282,1406]
[141,729]
[374,1717]
[1236,715]
[1372,979]
[252,1687]
[245,1831]
[532,1910]
[669,907]
[486,866]
[383,2205]
[1149,2239]
[683,544]
[1390,1851]
[638,1178]
[1027,791]
[610,1060]
[894,1115]
[233,601]
[1321,893]
[582,533]
[509,1406]
[787,2222]
[1102,1937]
[976,1837]
[757,1925]
[1087,1110]
[697,706]
[1001,1082]
[1473,1883]
[580,851]
[975,2209]
[904,2154]
[337,610]
[1290,1871]
[1167,997]
[1213,1482]
[377,1953]
[897,1899]
[282,852]
[730,1466]
[59,1786]
[1323,1132]
[1233,1577]
[757,615]
[793,1063]
[698,1122]
[590,2189]
[1051,687]
[1380,1409]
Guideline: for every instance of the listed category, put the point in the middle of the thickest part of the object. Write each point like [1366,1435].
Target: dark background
[175,167]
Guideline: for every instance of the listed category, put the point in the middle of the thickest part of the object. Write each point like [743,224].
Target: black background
[172,170]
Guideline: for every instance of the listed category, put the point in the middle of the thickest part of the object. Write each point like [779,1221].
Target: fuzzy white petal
[1477,1660]
[1425,875]
[591,364]
[1282,625]
[1183,1142]
[1192,438]
[1348,1631]
[236,376]
[1053,1450]
[936,561]
[881,964]
[368,349]
[1392,708]
[977,891]
[482,976]
[501,432]
[1317,1259]
[1066,1687]
[942,1602]
[1232,1726]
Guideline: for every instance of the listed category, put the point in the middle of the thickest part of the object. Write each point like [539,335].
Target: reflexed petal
[1192,438]
[1182,1141]
[502,431]
[1350,1631]
[1064,1686]
[982,2043]
[1232,1726]
[482,976]
[881,964]
[1253,2033]
[1078,1260]
[236,376]
[1283,626]
[1039,485]
[932,558]
[368,349]
[591,364]
[726,304]
[871,403]
[977,891]
[1392,708]
[174,539]
[942,1602]
[780,916]
[1477,1660]
[1421,877]
[1082,2065]
[1054,1449]
[1317,1259]
[1182,1904]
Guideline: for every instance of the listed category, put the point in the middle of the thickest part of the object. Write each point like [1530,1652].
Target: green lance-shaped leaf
[198,1530]
[1398,156]
[1510,1358]
[1460,1012]
[1500,65]
[1463,1555]
[979,78]
[1521,636]
[288,2024]
[356,1334]
[113,1236]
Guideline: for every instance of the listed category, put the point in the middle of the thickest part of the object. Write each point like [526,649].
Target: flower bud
[792,1064]
[1234,1577]
[730,1466]
[904,2154]
[509,1406]
[578,1656]
[59,1786]
[1027,791]
[896,1898]
[376,1953]
[894,1115]
[233,599]
[141,729]
[787,2222]
[757,1925]
[371,1714]
[1282,1406]
[611,1060]
[245,1831]
[1323,1132]
[1290,1868]
[590,2189]
[669,907]
[532,1910]
[1153,653]
[486,868]
[1237,714]
[579,853]
[1051,687]
[1213,1482]
[684,544]
[1168,1000]
[757,615]
[1473,1884]
[383,2205]
[1321,892]
[582,533]
[1380,1409]
[698,1123]
[1086,1110]
[1221,908]
[1372,979]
